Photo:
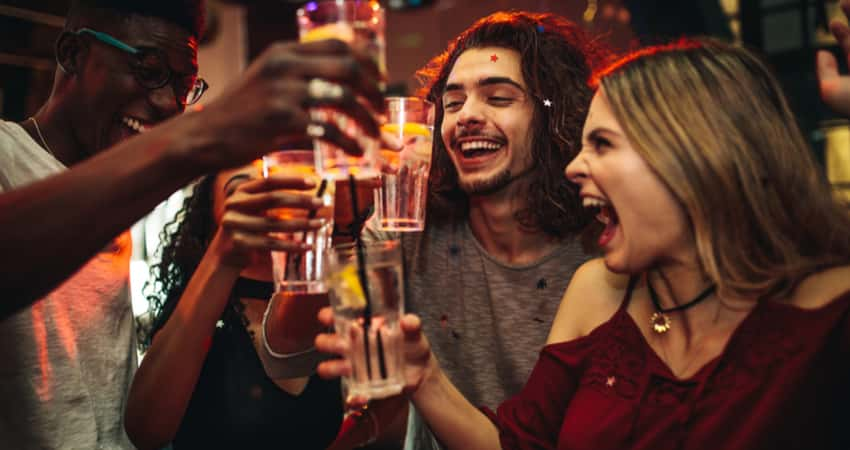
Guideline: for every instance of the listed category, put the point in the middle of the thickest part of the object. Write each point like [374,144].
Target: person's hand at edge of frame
[835,87]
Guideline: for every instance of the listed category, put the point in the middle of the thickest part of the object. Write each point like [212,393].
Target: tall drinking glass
[400,201]
[302,272]
[361,24]
[367,295]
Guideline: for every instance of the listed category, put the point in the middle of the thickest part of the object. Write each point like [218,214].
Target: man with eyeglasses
[107,146]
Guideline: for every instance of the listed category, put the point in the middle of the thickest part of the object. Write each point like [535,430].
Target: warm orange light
[681,44]
[258,164]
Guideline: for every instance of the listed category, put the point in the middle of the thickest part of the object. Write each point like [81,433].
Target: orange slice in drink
[408,129]
[417,142]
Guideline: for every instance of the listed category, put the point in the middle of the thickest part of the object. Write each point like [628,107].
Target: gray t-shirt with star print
[486,320]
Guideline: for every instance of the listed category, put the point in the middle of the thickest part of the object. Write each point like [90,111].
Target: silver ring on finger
[315,130]
[323,90]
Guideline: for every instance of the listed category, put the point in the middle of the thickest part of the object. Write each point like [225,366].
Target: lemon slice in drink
[348,288]
[337,30]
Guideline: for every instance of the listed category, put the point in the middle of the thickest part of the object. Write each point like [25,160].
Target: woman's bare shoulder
[592,297]
[821,288]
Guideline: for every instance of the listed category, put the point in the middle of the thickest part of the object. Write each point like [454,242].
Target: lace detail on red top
[768,338]
[615,363]
[619,361]
[780,383]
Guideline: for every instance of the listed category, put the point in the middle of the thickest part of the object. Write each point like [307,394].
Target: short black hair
[187,14]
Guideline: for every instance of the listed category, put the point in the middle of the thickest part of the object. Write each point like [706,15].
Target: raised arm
[452,418]
[50,228]
[168,374]
[456,422]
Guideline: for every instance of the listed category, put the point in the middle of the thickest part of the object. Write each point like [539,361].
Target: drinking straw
[364,282]
[320,192]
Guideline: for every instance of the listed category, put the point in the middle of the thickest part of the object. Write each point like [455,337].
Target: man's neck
[55,133]
[493,220]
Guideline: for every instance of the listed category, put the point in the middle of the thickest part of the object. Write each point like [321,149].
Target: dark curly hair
[558,59]
[183,242]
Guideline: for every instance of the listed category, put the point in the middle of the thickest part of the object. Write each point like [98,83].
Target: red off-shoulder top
[782,382]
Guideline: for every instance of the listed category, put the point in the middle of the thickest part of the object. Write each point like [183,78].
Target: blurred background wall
[787,32]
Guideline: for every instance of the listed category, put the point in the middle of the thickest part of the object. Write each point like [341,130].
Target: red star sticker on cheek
[494,58]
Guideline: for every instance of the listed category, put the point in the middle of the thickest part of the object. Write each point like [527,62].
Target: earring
[60,66]
[67,51]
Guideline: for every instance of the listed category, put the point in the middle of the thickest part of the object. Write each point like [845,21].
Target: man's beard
[489,185]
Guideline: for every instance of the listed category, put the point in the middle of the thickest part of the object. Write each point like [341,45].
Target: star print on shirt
[547,103]
[494,58]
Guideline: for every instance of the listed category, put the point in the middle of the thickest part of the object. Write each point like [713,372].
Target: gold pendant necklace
[659,320]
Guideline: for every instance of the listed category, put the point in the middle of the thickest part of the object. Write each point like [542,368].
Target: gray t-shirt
[486,320]
[68,359]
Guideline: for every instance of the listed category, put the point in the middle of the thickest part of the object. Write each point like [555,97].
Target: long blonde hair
[713,123]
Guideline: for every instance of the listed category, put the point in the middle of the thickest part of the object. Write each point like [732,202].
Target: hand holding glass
[367,296]
[400,201]
[361,25]
[301,272]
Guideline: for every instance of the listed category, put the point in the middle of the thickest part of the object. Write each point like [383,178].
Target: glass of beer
[361,25]
[302,272]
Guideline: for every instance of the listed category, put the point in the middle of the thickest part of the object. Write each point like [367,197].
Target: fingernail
[318,201]
[309,181]
[315,223]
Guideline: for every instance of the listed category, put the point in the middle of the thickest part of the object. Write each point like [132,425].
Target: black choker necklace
[248,288]
[660,320]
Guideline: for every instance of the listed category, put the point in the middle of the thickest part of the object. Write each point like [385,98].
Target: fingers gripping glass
[151,70]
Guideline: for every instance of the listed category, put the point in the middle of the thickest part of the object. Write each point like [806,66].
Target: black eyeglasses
[151,70]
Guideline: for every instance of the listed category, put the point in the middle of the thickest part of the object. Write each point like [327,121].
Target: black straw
[361,273]
[319,193]
[364,282]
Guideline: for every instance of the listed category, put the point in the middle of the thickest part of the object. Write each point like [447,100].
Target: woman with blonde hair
[718,316]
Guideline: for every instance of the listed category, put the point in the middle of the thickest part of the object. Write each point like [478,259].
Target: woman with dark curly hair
[208,380]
